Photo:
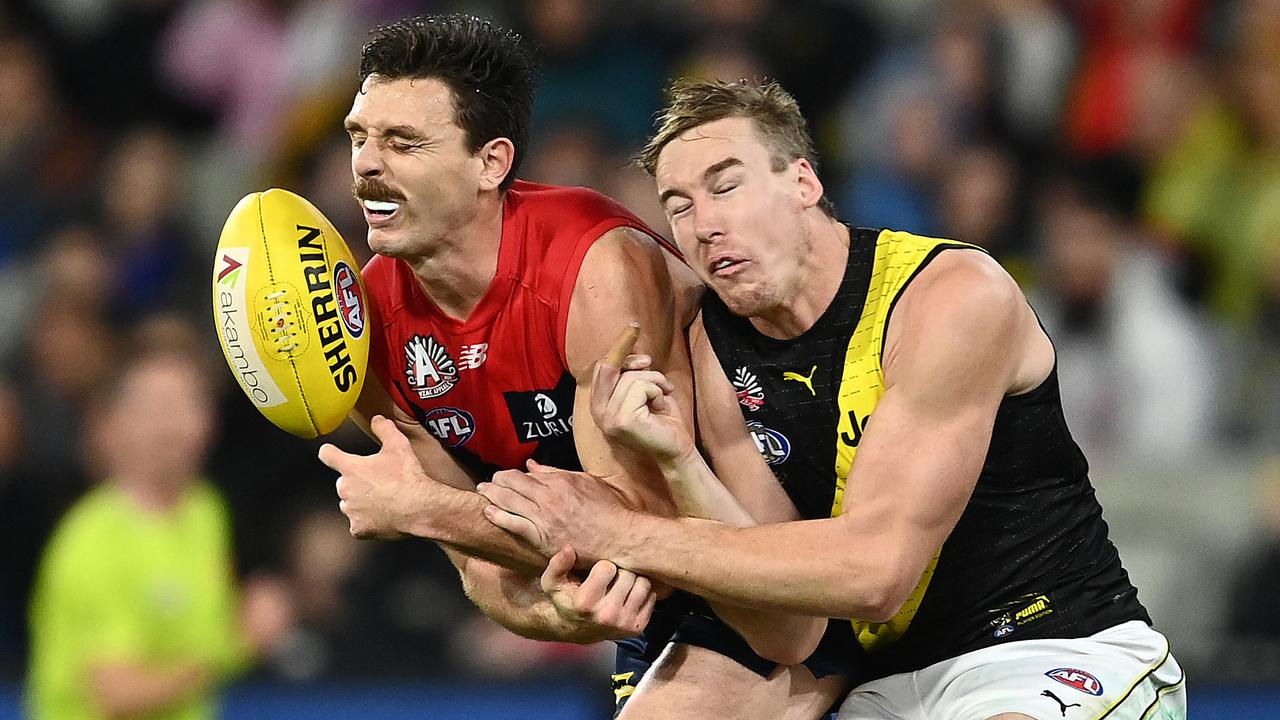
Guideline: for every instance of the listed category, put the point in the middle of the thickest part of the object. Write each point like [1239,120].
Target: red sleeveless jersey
[495,388]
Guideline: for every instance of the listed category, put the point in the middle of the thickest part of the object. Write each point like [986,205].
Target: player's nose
[707,224]
[366,161]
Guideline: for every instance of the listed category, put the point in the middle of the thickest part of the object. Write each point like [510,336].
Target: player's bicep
[726,442]
[950,359]
[623,279]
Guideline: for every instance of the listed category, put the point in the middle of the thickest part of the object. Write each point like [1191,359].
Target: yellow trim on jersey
[623,688]
[898,257]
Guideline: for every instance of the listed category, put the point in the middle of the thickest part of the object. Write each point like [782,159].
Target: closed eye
[679,209]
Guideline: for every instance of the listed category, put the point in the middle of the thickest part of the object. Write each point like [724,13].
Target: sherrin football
[290,311]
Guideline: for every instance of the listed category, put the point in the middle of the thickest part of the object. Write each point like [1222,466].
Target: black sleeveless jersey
[1029,557]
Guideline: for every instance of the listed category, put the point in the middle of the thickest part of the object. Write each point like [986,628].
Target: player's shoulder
[962,287]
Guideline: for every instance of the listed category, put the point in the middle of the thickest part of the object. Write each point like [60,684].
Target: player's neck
[821,273]
[461,267]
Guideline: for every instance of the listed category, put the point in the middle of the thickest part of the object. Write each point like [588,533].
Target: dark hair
[489,70]
[774,112]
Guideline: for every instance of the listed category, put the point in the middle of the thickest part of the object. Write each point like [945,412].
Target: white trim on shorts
[1125,672]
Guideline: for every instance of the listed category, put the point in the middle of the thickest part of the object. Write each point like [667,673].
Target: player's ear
[496,158]
[807,183]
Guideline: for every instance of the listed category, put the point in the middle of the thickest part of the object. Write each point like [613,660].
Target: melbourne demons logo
[428,368]
[1078,679]
[350,306]
[750,394]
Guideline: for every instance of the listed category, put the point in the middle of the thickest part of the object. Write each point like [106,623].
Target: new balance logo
[807,381]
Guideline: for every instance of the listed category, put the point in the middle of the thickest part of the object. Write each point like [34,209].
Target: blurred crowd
[1122,159]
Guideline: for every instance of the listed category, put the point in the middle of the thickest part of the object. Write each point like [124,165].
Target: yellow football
[290,310]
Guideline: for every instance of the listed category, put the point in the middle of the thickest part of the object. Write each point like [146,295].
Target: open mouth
[379,212]
[726,266]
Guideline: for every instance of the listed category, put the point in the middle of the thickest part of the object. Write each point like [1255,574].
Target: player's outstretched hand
[379,493]
[611,603]
[634,405]
[550,508]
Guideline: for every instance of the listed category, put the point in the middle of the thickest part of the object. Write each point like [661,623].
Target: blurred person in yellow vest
[136,609]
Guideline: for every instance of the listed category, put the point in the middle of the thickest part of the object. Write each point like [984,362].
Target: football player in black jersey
[905,396]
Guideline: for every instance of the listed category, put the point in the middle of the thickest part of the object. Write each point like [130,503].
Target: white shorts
[1122,673]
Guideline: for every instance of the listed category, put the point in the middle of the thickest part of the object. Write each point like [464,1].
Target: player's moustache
[374,189]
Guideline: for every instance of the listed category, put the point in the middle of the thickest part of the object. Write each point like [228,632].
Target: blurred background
[1122,159]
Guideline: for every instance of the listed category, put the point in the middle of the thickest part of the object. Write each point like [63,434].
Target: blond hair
[774,112]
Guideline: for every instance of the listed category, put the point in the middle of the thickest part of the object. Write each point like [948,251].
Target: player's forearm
[455,519]
[779,636]
[783,637]
[126,690]
[697,492]
[808,567]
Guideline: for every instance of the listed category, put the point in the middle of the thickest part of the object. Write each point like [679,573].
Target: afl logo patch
[451,426]
[774,447]
[1078,679]
[350,306]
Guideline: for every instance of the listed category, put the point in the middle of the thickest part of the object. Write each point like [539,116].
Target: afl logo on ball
[1078,679]
[350,306]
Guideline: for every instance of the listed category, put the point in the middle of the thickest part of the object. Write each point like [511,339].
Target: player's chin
[385,241]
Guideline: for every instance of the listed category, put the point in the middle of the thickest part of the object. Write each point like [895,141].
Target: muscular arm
[623,278]
[961,339]
[626,278]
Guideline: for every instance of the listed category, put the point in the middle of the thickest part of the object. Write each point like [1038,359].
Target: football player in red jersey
[490,301]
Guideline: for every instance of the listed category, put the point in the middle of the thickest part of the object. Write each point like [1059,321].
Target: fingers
[508,499]
[587,599]
[521,482]
[639,594]
[623,601]
[637,362]
[605,375]
[535,466]
[333,457]
[637,389]
[622,346]
[387,432]
[558,569]
[517,525]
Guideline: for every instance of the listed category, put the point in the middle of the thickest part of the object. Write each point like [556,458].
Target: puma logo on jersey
[806,380]
[1049,693]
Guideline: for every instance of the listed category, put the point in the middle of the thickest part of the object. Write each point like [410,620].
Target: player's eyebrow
[707,176]
[719,167]
[404,132]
